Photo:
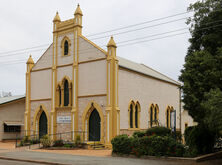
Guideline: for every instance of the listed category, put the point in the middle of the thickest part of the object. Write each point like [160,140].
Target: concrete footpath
[67,159]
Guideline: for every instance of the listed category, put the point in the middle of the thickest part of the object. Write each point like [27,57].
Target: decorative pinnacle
[56,18]
[111,43]
[30,60]
[78,11]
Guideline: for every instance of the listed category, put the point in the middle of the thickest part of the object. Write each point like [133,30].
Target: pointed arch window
[66,93]
[136,116]
[60,96]
[168,116]
[154,112]
[134,110]
[66,48]
[131,116]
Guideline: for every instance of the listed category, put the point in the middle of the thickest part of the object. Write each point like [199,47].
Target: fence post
[16,141]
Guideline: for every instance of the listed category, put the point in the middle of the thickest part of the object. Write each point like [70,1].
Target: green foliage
[213,109]
[201,75]
[58,143]
[121,144]
[139,133]
[78,139]
[26,139]
[203,62]
[147,145]
[160,131]
[46,141]
[199,139]
[67,145]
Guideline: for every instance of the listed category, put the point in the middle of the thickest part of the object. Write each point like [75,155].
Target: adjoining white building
[12,111]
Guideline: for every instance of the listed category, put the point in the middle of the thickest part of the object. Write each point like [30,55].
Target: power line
[133,25]
[85,50]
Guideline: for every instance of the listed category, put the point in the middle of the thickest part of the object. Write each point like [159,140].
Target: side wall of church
[145,90]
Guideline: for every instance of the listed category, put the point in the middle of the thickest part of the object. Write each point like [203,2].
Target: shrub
[139,133]
[121,144]
[199,139]
[46,141]
[67,145]
[159,131]
[157,146]
[26,139]
[58,143]
[78,139]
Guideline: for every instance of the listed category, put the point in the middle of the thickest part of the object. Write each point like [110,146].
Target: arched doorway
[43,124]
[94,126]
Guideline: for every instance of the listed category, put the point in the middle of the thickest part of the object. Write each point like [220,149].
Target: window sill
[133,129]
[64,108]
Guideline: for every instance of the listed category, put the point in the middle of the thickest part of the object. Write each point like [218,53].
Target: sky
[27,23]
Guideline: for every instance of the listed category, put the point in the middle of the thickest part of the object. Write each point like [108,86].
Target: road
[90,160]
[10,162]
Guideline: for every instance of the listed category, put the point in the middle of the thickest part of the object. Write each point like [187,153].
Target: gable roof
[4,100]
[141,68]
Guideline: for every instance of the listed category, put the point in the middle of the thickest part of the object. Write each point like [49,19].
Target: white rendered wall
[41,84]
[88,52]
[45,61]
[92,78]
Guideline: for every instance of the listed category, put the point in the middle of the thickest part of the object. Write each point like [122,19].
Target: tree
[213,109]
[202,70]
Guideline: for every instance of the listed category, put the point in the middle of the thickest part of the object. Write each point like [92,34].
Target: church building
[77,88]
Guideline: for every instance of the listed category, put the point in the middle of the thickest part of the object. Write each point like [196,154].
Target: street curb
[157,158]
[32,161]
[196,159]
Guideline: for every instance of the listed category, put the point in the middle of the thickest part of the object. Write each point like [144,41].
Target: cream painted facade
[12,114]
[83,83]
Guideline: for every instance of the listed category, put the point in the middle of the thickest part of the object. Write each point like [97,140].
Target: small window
[131,116]
[186,125]
[136,116]
[12,128]
[66,93]
[151,116]
[60,95]
[66,48]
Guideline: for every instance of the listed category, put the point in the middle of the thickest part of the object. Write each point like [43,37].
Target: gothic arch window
[66,93]
[168,116]
[154,115]
[137,114]
[65,46]
[134,110]
[131,115]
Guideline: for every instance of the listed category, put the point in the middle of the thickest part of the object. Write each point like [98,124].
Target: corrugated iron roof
[4,100]
[141,68]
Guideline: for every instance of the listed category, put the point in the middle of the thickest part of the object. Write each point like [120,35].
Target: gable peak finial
[111,43]
[78,11]
[57,18]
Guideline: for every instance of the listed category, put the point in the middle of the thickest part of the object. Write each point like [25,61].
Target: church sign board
[63,119]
